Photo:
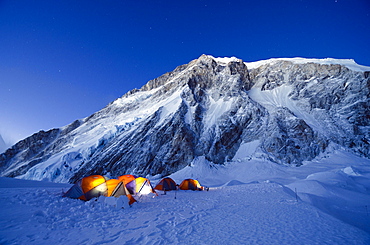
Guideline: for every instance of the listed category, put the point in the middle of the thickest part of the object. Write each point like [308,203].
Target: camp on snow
[128,185]
[96,185]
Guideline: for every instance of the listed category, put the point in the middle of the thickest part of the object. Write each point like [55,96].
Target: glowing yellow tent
[88,188]
[191,184]
[116,188]
[141,186]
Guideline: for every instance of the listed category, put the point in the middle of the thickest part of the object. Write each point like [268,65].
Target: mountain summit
[222,109]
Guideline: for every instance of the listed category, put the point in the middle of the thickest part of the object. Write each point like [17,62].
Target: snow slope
[250,201]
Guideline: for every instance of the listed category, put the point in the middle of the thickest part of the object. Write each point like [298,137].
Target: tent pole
[142,186]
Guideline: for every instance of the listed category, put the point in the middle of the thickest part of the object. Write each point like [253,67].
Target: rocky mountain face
[283,110]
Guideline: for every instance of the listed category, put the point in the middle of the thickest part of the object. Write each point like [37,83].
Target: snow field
[256,213]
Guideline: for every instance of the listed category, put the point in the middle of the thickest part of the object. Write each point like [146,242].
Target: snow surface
[216,110]
[325,201]
[279,97]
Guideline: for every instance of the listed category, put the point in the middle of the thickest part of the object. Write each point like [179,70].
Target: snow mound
[351,171]
[234,182]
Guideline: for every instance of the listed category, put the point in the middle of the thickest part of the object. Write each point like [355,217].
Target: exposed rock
[209,107]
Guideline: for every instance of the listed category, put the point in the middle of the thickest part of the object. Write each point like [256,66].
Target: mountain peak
[287,111]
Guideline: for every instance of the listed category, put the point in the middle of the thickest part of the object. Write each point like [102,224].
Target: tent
[127,178]
[191,184]
[116,188]
[140,186]
[88,188]
[166,184]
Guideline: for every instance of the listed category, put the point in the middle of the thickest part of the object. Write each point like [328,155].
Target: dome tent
[127,178]
[166,184]
[191,184]
[88,188]
[140,186]
[116,188]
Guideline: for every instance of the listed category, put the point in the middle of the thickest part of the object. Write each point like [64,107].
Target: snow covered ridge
[220,109]
[349,63]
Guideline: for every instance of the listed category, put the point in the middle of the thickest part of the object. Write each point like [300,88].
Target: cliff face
[284,110]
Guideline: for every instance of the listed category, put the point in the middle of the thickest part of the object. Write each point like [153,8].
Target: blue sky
[64,60]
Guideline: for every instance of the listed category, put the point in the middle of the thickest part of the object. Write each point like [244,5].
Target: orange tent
[166,184]
[116,188]
[191,184]
[141,186]
[88,188]
[127,178]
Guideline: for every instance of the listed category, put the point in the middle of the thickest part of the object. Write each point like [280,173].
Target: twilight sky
[63,60]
